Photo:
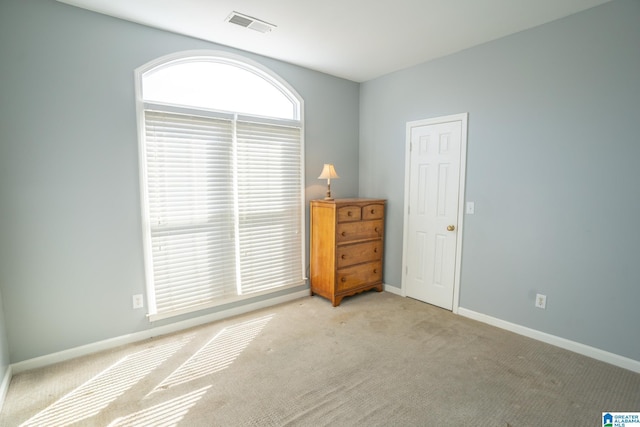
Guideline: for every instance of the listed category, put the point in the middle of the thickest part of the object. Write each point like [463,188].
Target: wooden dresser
[346,247]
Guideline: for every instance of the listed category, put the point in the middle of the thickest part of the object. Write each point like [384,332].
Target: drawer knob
[373,211]
[343,234]
[376,229]
[375,250]
[348,213]
[375,271]
[343,279]
[343,256]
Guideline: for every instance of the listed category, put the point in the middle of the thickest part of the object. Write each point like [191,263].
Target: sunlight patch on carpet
[217,354]
[165,414]
[96,394]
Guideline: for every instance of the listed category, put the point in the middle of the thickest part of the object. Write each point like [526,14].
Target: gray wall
[4,345]
[70,229]
[552,166]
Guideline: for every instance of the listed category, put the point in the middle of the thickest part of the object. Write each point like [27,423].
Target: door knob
[451,227]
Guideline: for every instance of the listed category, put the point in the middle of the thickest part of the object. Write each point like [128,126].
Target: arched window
[221,156]
[221,84]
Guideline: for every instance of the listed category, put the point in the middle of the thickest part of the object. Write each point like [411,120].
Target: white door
[436,151]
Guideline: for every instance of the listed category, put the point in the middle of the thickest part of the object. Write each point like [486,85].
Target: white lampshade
[328,172]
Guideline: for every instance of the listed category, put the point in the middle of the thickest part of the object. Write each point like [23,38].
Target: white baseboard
[84,350]
[576,347]
[393,290]
[38,362]
[4,387]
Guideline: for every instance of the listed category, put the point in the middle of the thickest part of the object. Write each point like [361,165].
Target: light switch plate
[471,208]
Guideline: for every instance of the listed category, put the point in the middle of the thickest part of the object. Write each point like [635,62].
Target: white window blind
[224,209]
[191,209]
[269,209]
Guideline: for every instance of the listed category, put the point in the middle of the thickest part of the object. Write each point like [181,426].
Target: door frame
[463,118]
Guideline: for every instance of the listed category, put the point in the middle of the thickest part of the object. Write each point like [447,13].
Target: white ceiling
[355,39]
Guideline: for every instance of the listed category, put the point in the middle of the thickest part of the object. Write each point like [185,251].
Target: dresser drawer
[373,211]
[349,213]
[358,275]
[358,253]
[359,230]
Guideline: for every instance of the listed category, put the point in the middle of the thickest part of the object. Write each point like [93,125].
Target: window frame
[141,106]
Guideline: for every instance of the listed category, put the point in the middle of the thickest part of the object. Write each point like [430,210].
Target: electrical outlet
[541,301]
[138,302]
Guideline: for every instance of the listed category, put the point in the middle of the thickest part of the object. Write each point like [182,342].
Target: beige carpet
[376,360]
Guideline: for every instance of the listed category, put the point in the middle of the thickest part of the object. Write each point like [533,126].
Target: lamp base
[328,196]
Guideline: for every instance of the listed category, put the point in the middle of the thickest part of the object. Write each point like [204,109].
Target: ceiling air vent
[250,22]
